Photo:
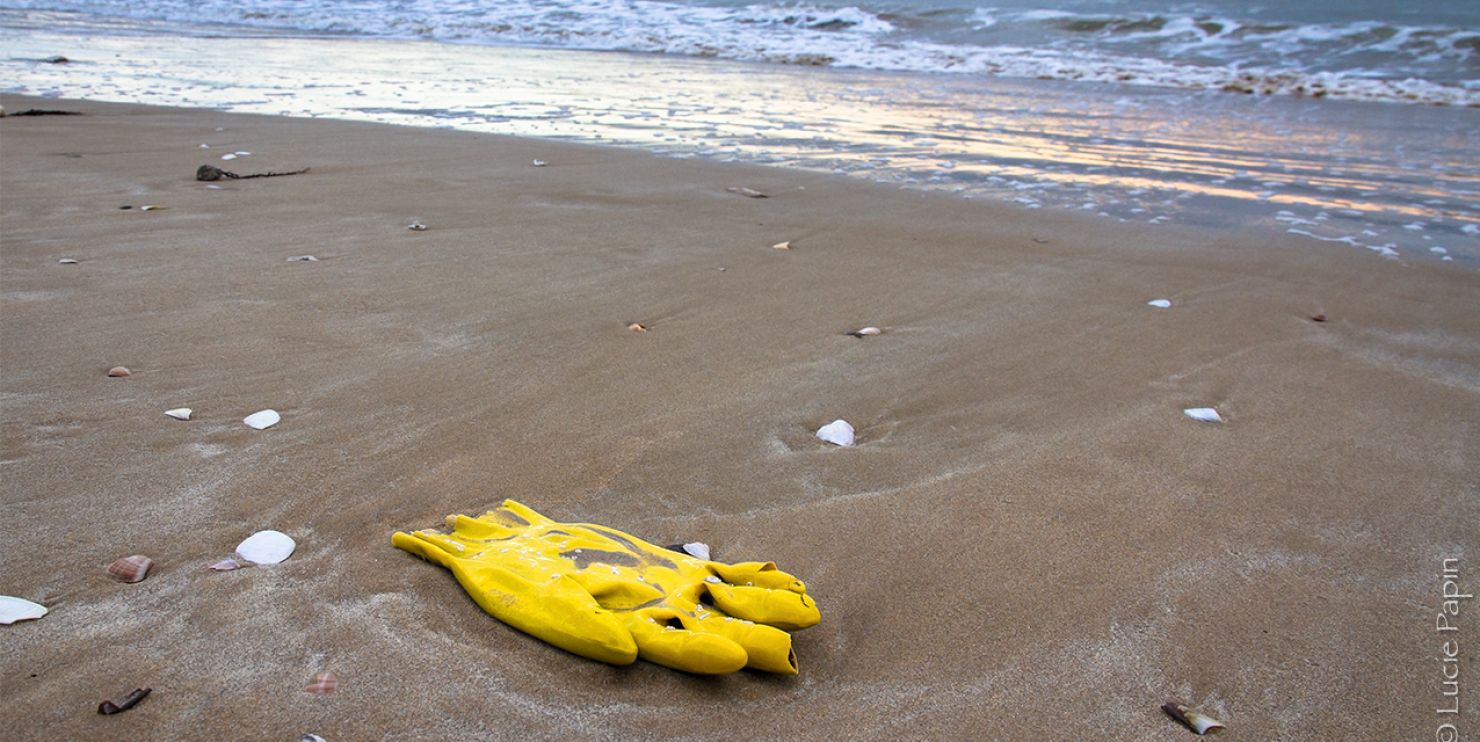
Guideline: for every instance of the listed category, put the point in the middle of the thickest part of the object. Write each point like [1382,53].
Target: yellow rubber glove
[609,596]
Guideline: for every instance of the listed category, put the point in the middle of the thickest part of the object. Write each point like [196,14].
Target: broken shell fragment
[118,372]
[698,549]
[266,547]
[152,207]
[312,738]
[131,569]
[837,432]
[782,245]
[1160,303]
[179,413]
[68,261]
[323,684]
[637,327]
[109,708]
[262,420]
[746,192]
[225,565]
[417,227]
[865,332]
[1199,723]
[228,157]
[537,163]
[1204,414]
[303,259]
[1318,318]
[19,609]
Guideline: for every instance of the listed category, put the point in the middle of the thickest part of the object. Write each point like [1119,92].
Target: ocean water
[1355,122]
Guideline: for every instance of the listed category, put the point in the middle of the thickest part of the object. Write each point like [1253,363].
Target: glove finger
[783,609]
[416,544]
[766,647]
[661,639]
[476,529]
[758,574]
[515,515]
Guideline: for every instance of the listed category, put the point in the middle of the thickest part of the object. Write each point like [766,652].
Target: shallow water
[1400,180]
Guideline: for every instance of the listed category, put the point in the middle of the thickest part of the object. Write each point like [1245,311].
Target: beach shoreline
[1031,539]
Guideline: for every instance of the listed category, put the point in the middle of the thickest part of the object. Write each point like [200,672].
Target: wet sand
[1030,540]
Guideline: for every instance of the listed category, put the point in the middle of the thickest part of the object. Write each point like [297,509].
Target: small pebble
[118,372]
[68,261]
[1318,318]
[637,327]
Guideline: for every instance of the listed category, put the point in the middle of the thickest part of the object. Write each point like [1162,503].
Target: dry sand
[1030,540]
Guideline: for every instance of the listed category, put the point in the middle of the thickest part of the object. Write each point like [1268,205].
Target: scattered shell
[228,157]
[312,738]
[747,192]
[698,549]
[225,565]
[1160,303]
[637,327]
[537,163]
[838,432]
[19,609]
[108,708]
[262,420]
[131,568]
[205,146]
[1205,414]
[782,245]
[68,261]
[303,259]
[1199,723]
[152,207]
[1318,318]
[1041,240]
[118,372]
[179,413]
[323,684]
[417,227]
[266,547]
[865,332]
[243,154]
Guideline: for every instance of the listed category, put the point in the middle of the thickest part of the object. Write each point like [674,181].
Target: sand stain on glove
[607,595]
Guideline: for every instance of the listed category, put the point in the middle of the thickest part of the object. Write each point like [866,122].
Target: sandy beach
[1030,540]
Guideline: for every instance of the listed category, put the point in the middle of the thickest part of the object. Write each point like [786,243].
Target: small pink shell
[131,568]
[225,565]
[118,372]
[323,683]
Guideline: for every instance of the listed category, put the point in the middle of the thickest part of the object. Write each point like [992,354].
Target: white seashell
[214,187]
[312,738]
[205,146]
[782,245]
[152,207]
[262,420]
[225,565]
[266,547]
[179,413]
[865,332]
[698,549]
[838,432]
[1205,414]
[19,609]
[243,154]
[637,327]
[1160,303]
[68,261]
[119,372]
[228,157]
[303,259]
[747,192]
[537,163]
[417,227]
